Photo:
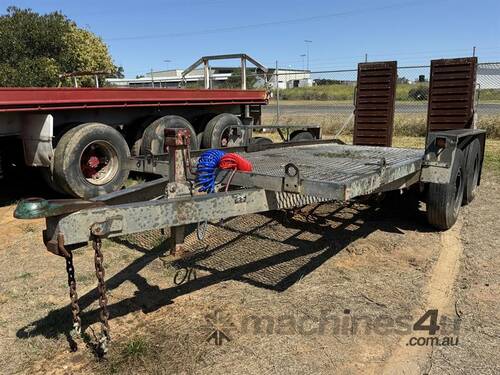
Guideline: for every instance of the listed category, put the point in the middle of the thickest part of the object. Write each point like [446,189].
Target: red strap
[235,161]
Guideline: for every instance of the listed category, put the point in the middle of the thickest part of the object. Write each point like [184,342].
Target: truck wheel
[199,139]
[90,160]
[472,169]
[153,140]
[218,132]
[301,135]
[136,141]
[444,200]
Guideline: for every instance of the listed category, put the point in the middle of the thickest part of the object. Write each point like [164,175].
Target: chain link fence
[326,98]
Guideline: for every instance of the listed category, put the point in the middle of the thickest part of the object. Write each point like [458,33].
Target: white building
[285,78]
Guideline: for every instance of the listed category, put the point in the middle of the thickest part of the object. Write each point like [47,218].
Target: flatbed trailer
[284,176]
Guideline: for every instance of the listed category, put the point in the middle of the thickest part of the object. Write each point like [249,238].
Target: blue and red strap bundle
[211,161]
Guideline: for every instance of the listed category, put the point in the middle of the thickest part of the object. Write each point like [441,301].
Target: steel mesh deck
[334,171]
[331,163]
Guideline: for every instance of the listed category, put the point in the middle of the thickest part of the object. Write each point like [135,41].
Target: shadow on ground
[313,236]
[19,183]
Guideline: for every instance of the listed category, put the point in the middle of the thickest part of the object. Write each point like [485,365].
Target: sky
[142,35]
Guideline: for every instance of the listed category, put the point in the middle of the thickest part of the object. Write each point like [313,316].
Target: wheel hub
[99,163]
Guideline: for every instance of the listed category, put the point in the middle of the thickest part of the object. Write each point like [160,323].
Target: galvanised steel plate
[332,171]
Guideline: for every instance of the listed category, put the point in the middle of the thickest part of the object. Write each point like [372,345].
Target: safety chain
[103,300]
[75,308]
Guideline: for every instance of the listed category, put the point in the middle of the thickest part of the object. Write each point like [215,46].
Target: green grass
[25,275]
[489,94]
[135,348]
[339,92]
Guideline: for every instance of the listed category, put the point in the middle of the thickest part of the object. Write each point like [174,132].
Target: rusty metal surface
[375,103]
[330,162]
[103,299]
[438,161]
[43,99]
[451,94]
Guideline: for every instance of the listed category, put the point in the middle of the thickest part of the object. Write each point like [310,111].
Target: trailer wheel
[444,200]
[472,170]
[261,141]
[90,160]
[153,140]
[301,135]
[218,132]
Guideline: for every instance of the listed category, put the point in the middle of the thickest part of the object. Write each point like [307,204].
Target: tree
[35,49]
[234,80]
[326,82]
[403,80]
[120,73]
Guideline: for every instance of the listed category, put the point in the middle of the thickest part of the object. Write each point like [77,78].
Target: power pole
[307,42]
[303,64]
[277,94]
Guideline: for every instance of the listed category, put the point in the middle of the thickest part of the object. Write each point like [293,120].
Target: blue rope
[206,170]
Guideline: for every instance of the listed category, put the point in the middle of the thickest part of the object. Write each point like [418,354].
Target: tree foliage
[35,49]
[234,80]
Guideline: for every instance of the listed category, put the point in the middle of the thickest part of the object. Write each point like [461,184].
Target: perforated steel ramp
[375,103]
[332,171]
[451,94]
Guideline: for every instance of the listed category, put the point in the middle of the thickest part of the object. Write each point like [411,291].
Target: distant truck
[82,138]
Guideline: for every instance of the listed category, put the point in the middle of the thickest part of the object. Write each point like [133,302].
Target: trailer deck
[331,170]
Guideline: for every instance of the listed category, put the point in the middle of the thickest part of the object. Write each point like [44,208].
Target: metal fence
[327,98]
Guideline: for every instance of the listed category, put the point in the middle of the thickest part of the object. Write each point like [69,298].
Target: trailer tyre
[444,200]
[261,141]
[472,171]
[153,140]
[136,140]
[218,132]
[301,135]
[90,160]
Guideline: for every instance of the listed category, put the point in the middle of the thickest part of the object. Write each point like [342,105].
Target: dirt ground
[333,289]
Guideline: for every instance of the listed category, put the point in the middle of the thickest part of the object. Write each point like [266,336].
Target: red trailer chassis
[50,99]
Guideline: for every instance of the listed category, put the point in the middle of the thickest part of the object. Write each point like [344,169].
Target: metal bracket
[56,246]
[112,225]
[291,182]
[177,189]
[382,164]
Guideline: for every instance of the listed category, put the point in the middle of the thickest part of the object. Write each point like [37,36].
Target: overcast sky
[142,34]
